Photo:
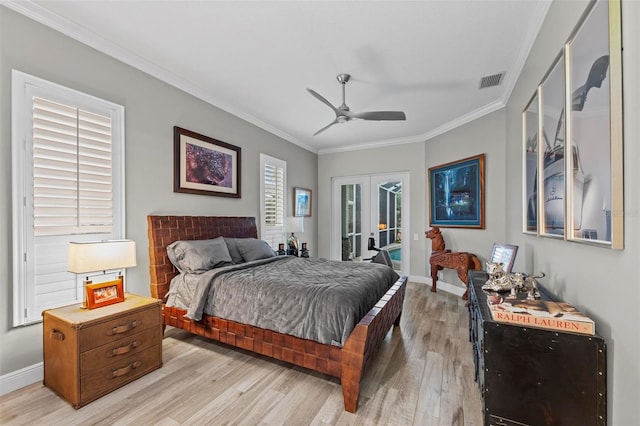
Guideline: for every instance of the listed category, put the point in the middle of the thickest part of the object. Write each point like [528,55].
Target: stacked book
[545,314]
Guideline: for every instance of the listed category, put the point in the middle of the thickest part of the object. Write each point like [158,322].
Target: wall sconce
[96,256]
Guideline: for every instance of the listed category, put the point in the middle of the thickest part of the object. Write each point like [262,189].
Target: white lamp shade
[295,224]
[93,256]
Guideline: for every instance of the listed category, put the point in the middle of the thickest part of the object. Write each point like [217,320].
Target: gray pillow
[232,245]
[254,249]
[199,255]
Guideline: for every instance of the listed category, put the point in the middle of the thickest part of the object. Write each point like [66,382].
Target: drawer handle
[125,370]
[56,334]
[121,350]
[124,328]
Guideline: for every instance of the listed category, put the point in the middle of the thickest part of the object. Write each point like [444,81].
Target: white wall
[152,108]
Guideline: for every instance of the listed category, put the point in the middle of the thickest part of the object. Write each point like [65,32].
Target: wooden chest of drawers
[531,376]
[89,353]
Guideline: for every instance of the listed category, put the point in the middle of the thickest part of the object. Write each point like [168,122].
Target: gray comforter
[314,299]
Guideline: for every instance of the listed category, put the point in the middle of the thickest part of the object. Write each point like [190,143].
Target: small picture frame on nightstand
[105,293]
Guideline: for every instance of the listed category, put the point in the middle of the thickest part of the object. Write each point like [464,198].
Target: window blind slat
[72,181]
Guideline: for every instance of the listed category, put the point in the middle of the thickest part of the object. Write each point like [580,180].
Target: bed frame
[347,363]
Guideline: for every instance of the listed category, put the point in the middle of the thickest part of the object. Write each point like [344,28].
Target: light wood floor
[422,375]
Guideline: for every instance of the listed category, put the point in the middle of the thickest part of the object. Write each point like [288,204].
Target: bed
[347,361]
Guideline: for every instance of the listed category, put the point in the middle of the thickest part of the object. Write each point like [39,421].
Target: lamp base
[85,305]
[292,245]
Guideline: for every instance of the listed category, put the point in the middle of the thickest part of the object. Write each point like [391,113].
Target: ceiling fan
[344,114]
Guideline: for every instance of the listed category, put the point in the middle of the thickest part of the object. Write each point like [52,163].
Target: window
[68,185]
[272,199]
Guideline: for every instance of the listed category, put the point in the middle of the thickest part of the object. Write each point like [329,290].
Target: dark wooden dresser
[89,353]
[531,376]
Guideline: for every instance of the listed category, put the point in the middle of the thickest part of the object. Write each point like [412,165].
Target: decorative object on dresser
[302,202]
[498,279]
[294,224]
[347,360]
[95,256]
[106,293]
[442,258]
[505,254]
[535,376]
[89,353]
[456,194]
[205,166]
[545,314]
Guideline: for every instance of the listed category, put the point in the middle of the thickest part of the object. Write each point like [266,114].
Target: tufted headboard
[163,230]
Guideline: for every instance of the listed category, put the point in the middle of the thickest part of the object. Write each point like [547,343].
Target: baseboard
[450,288]
[21,378]
[419,279]
[442,285]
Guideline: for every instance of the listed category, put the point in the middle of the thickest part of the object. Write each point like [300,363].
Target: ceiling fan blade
[380,115]
[326,127]
[322,99]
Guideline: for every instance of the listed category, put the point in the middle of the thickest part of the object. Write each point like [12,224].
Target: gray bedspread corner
[314,299]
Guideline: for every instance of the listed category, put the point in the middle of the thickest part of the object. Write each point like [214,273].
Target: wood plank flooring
[422,375]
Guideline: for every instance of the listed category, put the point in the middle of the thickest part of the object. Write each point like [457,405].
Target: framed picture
[456,198]
[551,179]
[594,128]
[530,121]
[203,165]
[106,293]
[302,202]
[505,254]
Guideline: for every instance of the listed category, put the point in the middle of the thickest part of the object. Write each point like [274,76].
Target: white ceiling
[255,59]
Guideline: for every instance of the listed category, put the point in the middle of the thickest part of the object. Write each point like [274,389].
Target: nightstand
[89,353]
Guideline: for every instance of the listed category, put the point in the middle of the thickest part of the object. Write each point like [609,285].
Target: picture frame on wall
[530,143]
[594,128]
[456,194]
[302,202]
[205,166]
[551,146]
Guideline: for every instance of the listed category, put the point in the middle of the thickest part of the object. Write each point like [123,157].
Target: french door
[371,206]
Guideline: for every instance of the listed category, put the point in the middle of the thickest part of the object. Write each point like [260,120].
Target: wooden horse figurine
[442,258]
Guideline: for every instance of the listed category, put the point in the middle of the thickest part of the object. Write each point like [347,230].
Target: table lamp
[294,224]
[96,256]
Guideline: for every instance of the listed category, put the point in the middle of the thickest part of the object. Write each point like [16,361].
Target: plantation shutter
[273,200]
[68,185]
[72,177]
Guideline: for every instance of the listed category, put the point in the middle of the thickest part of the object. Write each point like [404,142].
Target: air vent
[491,80]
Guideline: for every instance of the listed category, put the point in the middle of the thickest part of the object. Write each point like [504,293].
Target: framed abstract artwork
[551,179]
[456,198]
[206,166]
[594,128]
[302,202]
[578,180]
[530,119]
